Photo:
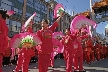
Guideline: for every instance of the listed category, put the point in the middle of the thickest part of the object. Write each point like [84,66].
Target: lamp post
[92,17]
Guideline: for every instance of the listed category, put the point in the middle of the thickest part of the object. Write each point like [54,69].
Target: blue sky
[81,6]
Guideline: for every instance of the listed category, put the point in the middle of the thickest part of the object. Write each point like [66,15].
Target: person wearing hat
[45,34]
[3,35]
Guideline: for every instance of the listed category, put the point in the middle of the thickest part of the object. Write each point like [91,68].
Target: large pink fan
[57,35]
[15,41]
[58,9]
[28,21]
[58,44]
[9,12]
[21,38]
[81,21]
[59,48]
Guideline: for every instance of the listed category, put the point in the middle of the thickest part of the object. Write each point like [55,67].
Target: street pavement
[97,66]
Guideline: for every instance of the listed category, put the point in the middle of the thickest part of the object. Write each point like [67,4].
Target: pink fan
[9,12]
[36,39]
[28,21]
[58,44]
[59,48]
[15,41]
[57,35]
[19,39]
[81,21]
[58,9]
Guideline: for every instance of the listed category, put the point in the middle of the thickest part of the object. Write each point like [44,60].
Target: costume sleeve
[29,29]
[53,26]
[5,27]
[38,34]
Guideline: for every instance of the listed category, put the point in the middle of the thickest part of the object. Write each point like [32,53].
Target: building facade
[65,20]
[15,21]
[25,8]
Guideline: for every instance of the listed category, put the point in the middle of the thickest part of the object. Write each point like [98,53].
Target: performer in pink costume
[78,53]
[67,41]
[25,55]
[3,36]
[45,34]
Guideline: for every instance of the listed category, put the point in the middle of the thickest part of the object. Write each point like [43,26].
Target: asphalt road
[97,66]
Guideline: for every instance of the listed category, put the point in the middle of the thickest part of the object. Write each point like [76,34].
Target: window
[7,21]
[107,14]
[20,11]
[28,14]
[98,16]
[29,4]
[31,1]
[21,1]
[8,25]
[6,2]
[14,26]
[15,9]
[34,29]
[5,6]
[36,19]
[18,26]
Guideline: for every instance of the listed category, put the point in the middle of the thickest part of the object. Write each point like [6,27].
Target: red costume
[51,60]
[100,49]
[68,51]
[24,56]
[78,54]
[89,50]
[3,39]
[46,47]
[84,49]
[97,51]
